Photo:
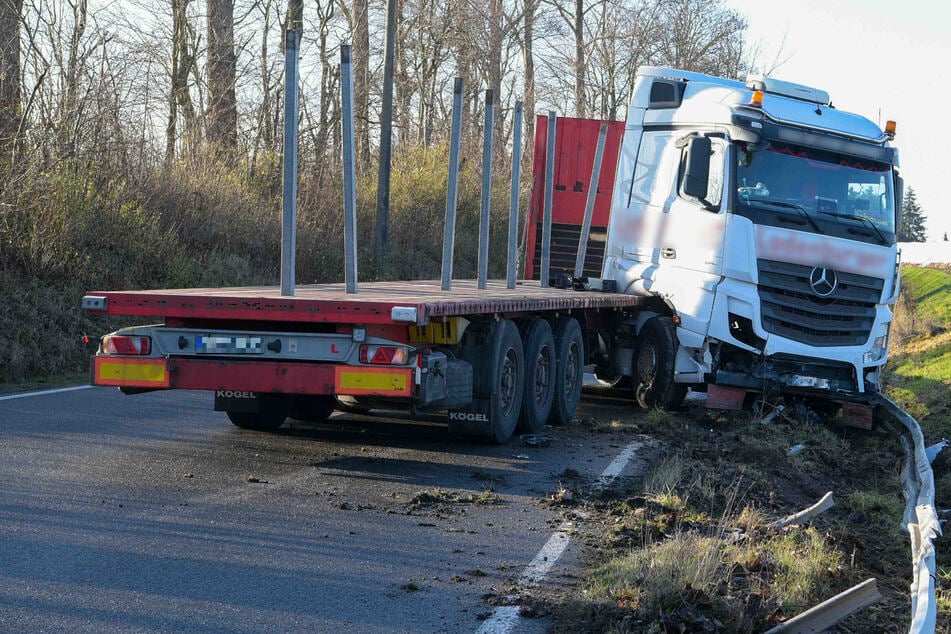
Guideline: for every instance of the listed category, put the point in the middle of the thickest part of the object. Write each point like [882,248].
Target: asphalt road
[153,513]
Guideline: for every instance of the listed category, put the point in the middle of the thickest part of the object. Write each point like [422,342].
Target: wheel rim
[508,381]
[542,374]
[571,372]
[647,364]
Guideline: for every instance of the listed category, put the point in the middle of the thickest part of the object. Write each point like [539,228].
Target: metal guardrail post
[452,187]
[289,205]
[516,183]
[549,189]
[486,191]
[349,171]
[589,203]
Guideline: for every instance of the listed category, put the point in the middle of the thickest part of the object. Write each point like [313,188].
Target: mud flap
[237,401]
[473,420]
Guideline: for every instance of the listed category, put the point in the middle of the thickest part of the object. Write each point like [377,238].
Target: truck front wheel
[654,355]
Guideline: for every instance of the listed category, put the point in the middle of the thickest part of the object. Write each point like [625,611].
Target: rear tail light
[125,344]
[383,355]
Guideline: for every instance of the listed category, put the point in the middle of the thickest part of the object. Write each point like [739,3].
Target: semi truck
[742,241]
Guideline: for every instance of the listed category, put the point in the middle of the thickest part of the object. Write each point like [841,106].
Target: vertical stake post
[549,189]
[589,204]
[349,171]
[452,188]
[486,191]
[516,183]
[289,202]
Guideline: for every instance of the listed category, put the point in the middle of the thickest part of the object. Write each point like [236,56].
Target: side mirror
[697,173]
[899,201]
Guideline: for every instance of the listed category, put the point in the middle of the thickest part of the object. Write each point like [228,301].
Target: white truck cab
[765,220]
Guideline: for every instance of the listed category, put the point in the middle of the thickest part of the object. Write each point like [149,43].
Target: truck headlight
[879,348]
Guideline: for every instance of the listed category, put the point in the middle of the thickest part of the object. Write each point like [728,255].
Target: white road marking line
[58,390]
[505,619]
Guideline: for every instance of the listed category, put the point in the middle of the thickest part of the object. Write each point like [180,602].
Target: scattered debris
[826,503]
[411,586]
[796,449]
[257,480]
[536,440]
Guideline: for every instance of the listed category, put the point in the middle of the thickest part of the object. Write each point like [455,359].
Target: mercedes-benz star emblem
[823,281]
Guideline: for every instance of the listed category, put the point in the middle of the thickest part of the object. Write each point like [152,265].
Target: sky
[878,58]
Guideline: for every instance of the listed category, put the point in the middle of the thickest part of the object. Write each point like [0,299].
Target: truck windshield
[837,194]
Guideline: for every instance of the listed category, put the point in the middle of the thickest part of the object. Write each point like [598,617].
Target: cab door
[690,235]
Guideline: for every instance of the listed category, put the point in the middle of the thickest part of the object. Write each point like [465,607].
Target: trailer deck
[414,302]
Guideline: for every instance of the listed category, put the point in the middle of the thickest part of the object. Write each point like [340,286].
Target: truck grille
[792,309]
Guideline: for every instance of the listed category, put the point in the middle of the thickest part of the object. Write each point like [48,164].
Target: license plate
[809,381]
[229,344]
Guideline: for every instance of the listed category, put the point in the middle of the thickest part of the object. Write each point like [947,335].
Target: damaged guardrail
[921,516]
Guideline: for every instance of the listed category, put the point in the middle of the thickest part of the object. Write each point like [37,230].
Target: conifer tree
[912,219]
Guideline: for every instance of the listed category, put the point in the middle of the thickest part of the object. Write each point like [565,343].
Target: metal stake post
[349,171]
[516,182]
[549,189]
[486,191]
[589,204]
[289,205]
[452,189]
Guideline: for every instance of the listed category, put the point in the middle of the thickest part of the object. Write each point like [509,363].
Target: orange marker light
[890,128]
[757,99]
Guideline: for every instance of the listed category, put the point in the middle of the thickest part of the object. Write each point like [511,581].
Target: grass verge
[689,548]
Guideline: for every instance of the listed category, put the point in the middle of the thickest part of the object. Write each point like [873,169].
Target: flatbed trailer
[495,359]
[414,302]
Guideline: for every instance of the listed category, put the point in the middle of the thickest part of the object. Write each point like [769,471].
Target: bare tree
[222,118]
[701,35]
[10,92]
[179,98]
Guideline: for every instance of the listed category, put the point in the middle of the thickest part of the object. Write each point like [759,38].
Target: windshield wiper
[784,204]
[865,219]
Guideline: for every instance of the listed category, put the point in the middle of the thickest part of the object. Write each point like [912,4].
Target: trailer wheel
[539,345]
[313,408]
[506,379]
[569,371]
[654,356]
[270,417]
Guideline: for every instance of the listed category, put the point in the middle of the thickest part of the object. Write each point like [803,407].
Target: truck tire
[270,416]
[313,408]
[654,355]
[539,346]
[506,379]
[569,371]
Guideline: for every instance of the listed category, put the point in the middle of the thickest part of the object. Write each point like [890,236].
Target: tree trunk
[179,98]
[579,59]
[222,121]
[494,78]
[9,75]
[528,57]
[360,23]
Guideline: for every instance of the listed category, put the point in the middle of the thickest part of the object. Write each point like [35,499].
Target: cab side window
[648,185]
